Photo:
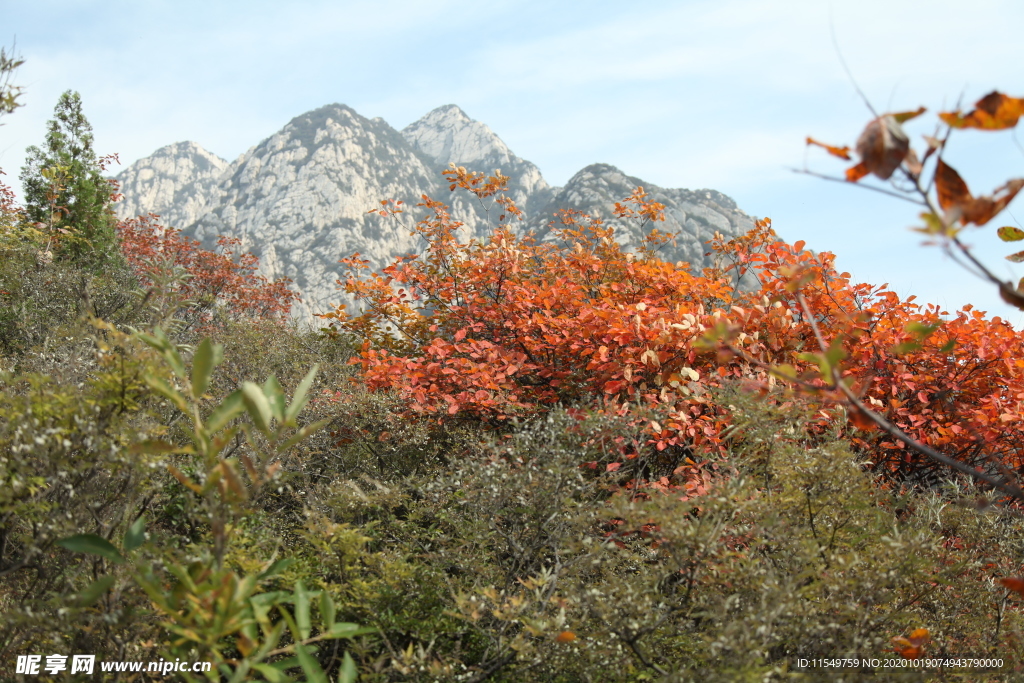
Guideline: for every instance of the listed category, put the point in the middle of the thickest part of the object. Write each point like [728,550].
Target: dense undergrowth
[520,463]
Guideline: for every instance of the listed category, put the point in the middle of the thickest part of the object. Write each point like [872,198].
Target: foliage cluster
[522,461]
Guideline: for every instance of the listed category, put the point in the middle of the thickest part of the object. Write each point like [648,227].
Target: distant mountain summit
[299,199]
[178,181]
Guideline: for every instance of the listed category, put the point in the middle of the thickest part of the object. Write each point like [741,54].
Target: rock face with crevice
[300,199]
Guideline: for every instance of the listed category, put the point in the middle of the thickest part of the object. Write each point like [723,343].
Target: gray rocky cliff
[178,182]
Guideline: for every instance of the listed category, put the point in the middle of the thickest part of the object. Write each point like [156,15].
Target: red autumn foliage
[225,277]
[513,326]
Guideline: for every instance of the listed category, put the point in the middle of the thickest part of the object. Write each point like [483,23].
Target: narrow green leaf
[302,434]
[241,673]
[202,367]
[275,397]
[922,330]
[290,620]
[310,667]
[276,568]
[151,340]
[1008,233]
[288,663]
[906,347]
[272,674]
[160,386]
[257,406]
[231,407]
[348,672]
[157,447]
[301,397]
[784,371]
[135,536]
[93,545]
[94,591]
[270,641]
[327,611]
[948,346]
[346,630]
[302,610]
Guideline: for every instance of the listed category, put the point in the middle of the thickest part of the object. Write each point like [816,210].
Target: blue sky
[693,94]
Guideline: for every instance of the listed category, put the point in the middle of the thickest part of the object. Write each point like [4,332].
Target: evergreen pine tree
[64,188]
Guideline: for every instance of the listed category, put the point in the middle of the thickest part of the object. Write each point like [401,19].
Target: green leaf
[348,673]
[94,591]
[93,545]
[135,536]
[203,362]
[270,641]
[784,371]
[272,674]
[948,346]
[257,406]
[275,397]
[346,630]
[276,568]
[300,398]
[151,340]
[170,353]
[160,386]
[157,447]
[933,224]
[302,610]
[1008,233]
[327,610]
[231,407]
[302,434]
[921,330]
[314,674]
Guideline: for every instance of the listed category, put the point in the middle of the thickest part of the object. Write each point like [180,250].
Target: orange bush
[511,326]
[226,277]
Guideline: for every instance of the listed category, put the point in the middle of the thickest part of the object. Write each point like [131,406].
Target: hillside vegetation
[520,460]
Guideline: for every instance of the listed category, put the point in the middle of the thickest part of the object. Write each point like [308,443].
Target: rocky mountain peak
[447,135]
[178,182]
[299,199]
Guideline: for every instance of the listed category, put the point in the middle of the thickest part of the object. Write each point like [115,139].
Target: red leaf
[1012,583]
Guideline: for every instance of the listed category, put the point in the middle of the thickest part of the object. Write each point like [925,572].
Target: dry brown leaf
[882,146]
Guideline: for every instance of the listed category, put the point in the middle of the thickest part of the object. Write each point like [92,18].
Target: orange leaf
[994,111]
[855,173]
[860,420]
[841,152]
[912,647]
[565,637]
[904,116]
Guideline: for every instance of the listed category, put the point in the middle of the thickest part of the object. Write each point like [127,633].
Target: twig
[837,179]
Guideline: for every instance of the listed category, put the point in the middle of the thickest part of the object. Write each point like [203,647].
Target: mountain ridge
[299,199]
